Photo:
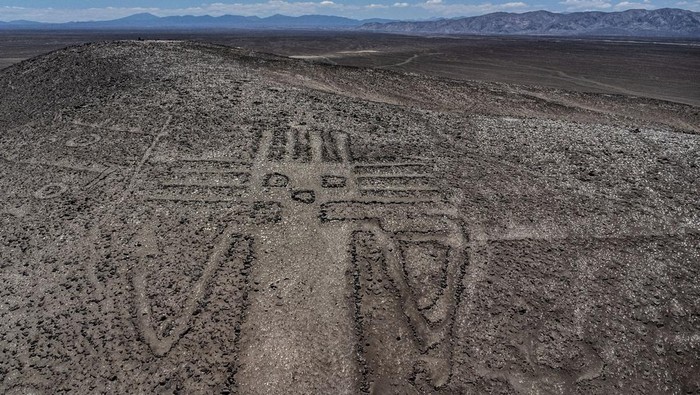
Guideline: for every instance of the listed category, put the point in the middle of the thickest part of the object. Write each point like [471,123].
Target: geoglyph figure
[301,209]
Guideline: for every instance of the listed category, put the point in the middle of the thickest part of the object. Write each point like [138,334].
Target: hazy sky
[71,10]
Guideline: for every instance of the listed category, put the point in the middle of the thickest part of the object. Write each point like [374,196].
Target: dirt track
[189,218]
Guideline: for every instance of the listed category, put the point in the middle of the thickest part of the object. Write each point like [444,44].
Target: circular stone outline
[83,140]
[276,180]
[46,191]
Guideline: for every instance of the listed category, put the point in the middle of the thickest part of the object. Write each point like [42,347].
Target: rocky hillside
[185,218]
[662,22]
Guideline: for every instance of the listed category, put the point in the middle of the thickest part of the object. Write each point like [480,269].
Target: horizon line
[435,18]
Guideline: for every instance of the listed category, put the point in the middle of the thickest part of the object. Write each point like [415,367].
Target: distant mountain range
[150,21]
[661,22]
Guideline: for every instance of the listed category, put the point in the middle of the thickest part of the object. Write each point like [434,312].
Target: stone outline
[77,141]
[161,346]
[45,191]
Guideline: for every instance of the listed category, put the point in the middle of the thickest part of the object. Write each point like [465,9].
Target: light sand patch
[361,51]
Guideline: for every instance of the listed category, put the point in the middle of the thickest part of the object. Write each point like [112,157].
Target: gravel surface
[179,218]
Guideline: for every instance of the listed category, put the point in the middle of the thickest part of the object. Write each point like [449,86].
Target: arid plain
[181,217]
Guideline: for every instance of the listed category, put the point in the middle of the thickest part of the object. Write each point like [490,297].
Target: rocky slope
[186,218]
[664,22]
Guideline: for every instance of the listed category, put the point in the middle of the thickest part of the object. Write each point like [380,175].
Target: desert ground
[183,217]
[665,69]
